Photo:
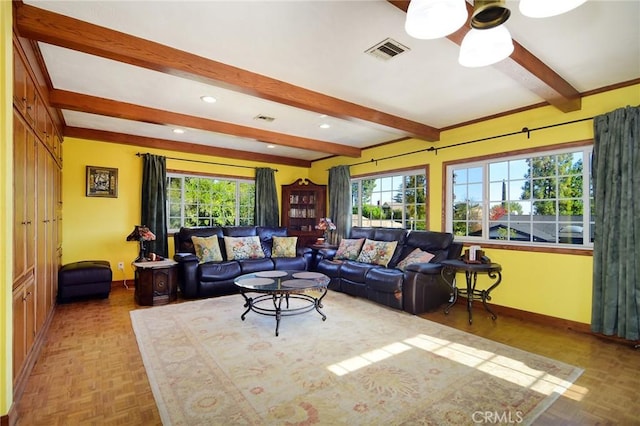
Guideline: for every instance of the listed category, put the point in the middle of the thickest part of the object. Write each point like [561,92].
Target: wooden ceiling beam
[91,104]
[60,30]
[191,148]
[525,68]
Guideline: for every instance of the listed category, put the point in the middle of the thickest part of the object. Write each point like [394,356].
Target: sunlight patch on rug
[365,365]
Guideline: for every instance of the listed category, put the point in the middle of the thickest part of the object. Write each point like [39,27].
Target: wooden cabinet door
[20,77]
[19,341]
[24,159]
[19,197]
[42,236]
[42,117]
[24,330]
[31,95]
[52,232]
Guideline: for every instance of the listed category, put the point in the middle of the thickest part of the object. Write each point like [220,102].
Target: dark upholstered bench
[89,278]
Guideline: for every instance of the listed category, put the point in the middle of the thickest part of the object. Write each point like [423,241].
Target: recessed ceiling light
[325,126]
[208,99]
[271,146]
[178,131]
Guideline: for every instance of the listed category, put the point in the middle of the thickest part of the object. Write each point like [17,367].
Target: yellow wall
[96,228]
[6,209]
[557,285]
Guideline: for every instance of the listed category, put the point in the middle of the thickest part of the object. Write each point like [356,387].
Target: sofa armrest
[455,250]
[424,288]
[327,253]
[185,257]
[187,274]
[425,268]
[301,251]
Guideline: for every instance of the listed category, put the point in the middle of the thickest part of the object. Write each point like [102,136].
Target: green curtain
[616,248]
[340,208]
[266,211]
[154,202]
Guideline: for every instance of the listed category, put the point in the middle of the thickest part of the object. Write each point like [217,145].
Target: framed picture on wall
[102,182]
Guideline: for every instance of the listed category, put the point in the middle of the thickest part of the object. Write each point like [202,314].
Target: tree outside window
[534,199]
[204,201]
[390,200]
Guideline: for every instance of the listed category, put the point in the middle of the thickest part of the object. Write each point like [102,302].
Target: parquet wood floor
[90,371]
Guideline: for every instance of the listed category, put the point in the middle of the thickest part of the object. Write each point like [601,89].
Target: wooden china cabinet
[303,204]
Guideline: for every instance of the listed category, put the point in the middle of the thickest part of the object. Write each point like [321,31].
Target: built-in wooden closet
[37,168]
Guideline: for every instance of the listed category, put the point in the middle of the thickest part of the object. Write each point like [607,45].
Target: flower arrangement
[326,224]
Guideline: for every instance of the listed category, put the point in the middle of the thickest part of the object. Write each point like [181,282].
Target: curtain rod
[430,149]
[140,154]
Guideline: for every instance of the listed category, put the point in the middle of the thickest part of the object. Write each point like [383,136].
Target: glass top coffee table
[293,288]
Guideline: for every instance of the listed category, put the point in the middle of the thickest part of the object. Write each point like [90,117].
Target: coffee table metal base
[257,305]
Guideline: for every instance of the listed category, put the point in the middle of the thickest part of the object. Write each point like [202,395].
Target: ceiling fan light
[430,19]
[489,14]
[547,8]
[480,48]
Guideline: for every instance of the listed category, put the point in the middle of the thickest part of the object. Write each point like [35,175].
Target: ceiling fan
[489,40]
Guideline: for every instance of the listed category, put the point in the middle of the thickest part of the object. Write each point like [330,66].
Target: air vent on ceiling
[387,49]
[264,118]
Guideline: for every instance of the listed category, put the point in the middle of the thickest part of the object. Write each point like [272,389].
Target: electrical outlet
[121,266]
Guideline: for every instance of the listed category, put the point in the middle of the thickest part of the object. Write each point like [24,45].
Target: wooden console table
[156,282]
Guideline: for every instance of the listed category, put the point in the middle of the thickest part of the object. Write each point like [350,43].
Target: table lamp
[141,234]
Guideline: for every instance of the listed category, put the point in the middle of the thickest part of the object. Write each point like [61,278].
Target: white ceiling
[319,46]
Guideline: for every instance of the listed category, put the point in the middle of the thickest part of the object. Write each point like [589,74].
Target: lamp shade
[547,8]
[480,48]
[429,19]
[141,232]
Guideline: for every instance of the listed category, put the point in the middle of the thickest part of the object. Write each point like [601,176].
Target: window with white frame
[393,200]
[536,198]
[194,200]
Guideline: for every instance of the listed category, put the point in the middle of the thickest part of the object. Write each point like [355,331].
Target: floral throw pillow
[207,248]
[416,256]
[349,249]
[239,248]
[284,246]
[377,252]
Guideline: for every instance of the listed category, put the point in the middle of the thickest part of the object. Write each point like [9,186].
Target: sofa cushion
[354,271]
[330,268]
[207,248]
[416,256]
[184,244]
[349,248]
[243,248]
[218,271]
[249,266]
[266,234]
[377,252]
[434,242]
[385,280]
[297,263]
[284,246]
[392,234]
[362,232]
[239,231]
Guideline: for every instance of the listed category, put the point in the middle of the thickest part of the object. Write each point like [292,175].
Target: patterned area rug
[364,365]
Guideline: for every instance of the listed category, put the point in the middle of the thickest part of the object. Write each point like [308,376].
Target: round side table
[471,271]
